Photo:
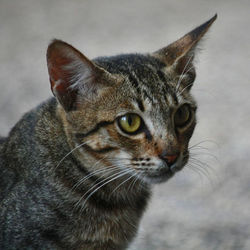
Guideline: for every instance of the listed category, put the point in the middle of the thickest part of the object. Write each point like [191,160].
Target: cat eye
[182,116]
[130,123]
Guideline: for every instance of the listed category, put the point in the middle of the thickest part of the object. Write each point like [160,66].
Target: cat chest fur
[115,228]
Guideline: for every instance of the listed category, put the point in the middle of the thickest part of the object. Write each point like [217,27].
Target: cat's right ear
[73,76]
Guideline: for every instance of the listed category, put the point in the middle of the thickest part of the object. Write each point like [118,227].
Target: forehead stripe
[134,82]
[140,105]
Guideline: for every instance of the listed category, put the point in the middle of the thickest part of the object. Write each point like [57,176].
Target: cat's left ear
[179,55]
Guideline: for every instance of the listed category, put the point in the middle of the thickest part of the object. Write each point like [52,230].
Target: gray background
[204,208]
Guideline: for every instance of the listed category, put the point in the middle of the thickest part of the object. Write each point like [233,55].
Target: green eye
[130,123]
[182,115]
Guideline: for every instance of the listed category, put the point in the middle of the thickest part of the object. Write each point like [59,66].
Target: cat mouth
[163,173]
[159,175]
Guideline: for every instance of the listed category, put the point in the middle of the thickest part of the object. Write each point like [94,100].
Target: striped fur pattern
[73,175]
[147,89]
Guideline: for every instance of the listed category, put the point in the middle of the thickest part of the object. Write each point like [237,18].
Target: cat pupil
[130,120]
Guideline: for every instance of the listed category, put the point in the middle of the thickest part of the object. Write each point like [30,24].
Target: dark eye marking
[148,135]
[140,105]
[100,151]
[95,129]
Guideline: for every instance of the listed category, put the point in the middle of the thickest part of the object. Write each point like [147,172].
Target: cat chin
[158,178]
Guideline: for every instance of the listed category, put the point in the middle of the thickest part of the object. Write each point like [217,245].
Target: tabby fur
[71,178]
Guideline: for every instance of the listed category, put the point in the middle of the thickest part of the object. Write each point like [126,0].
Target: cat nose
[170,159]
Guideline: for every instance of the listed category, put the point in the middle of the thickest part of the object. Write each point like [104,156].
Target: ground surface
[192,211]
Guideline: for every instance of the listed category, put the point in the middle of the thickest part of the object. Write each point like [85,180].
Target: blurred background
[207,205]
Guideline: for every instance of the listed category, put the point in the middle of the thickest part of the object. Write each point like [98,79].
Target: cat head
[132,112]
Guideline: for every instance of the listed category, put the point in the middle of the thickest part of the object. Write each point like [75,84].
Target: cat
[76,171]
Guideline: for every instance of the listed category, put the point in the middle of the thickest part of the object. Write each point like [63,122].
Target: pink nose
[171,158]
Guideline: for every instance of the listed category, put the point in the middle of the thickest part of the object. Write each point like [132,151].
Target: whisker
[200,172]
[71,153]
[194,169]
[133,182]
[197,153]
[184,89]
[98,171]
[206,166]
[110,168]
[92,173]
[204,141]
[138,178]
[197,148]
[102,181]
[116,176]
[130,177]
[182,74]
[200,166]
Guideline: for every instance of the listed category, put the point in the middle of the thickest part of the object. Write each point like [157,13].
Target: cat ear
[74,76]
[180,54]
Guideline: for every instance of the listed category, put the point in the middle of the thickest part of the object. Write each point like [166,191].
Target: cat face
[151,121]
[131,114]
